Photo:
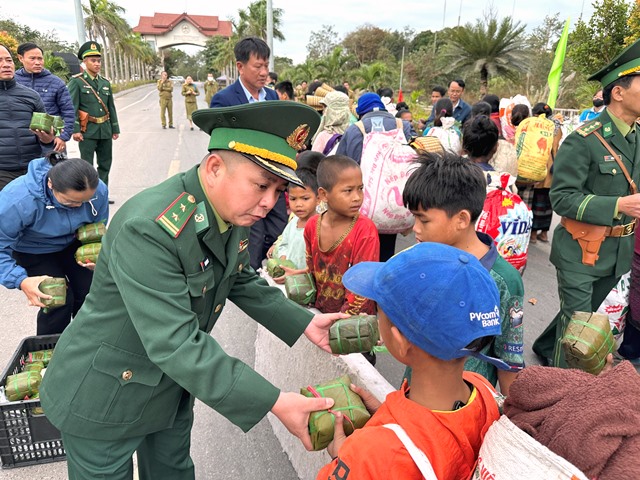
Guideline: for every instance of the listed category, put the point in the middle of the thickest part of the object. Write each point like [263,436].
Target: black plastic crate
[26,435]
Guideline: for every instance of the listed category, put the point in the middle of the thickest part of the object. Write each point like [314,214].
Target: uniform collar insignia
[243,245]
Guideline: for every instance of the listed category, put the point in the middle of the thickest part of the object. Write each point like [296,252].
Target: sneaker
[171,126]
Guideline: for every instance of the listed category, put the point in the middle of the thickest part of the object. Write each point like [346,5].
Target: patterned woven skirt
[542,211]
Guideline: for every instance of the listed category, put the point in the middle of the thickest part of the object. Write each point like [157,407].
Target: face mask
[210,78]
[598,102]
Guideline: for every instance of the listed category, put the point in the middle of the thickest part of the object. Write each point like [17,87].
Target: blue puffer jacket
[54,94]
[18,144]
[33,221]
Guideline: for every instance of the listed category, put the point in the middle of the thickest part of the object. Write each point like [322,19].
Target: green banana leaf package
[349,403]
[21,385]
[33,367]
[357,334]
[43,356]
[587,341]
[41,121]
[88,253]
[274,266]
[58,124]
[57,288]
[91,232]
[300,288]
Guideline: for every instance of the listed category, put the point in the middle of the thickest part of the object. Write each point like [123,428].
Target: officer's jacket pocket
[609,168]
[199,284]
[117,387]
[611,180]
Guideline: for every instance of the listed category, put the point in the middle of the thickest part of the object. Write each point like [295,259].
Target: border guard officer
[96,124]
[126,371]
[594,190]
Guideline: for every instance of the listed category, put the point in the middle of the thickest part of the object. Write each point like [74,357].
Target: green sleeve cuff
[616,214]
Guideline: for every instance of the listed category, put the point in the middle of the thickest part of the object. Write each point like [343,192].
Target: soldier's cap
[89,49]
[267,133]
[627,63]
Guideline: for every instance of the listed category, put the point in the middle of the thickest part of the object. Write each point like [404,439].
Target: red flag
[400,96]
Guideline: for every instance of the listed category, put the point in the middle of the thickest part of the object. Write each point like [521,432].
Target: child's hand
[270,251]
[338,436]
[370,401]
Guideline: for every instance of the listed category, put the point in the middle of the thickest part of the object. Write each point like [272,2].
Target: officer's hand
[77,137]
[338,436]
[318,329]
[29,287]
[89,265]
[115,136]
[293,410]
[630,205]
[59,144]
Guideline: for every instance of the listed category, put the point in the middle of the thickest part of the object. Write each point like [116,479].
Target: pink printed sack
[386,164]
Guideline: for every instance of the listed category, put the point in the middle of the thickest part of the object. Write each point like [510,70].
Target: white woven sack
[616,307]
[508,453]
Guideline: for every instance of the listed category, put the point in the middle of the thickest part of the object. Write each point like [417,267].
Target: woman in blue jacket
[39,215]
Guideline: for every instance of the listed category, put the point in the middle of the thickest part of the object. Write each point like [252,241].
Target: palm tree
[253,21]
[332,67]
[489,47]
[372,77]
[103,21]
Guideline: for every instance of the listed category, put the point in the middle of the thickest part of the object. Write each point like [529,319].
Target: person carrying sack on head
[595,174]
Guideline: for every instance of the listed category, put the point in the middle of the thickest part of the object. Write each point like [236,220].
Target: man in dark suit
[252,62]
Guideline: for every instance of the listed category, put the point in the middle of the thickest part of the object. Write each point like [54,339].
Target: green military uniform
[210,89]
[127,369]
[587,184]
[103,123]
[190,100]
[165,89]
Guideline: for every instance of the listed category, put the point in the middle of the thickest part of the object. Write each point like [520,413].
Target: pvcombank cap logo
[488,319]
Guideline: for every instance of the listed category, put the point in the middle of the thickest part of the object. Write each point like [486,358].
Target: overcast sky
[300,18]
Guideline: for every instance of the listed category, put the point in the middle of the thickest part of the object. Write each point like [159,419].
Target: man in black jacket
[18,144]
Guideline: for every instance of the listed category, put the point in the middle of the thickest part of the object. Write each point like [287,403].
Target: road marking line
[135,103]
[174,166]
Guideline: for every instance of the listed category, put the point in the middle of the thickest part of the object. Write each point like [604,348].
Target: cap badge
[298,137]
[93,46]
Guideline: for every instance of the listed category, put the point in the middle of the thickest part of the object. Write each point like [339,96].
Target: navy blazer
[234,95]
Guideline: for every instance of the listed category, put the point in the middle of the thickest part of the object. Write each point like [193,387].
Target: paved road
[146,155]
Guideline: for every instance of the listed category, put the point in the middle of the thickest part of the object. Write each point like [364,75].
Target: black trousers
[7,176]
[63,265]
[387,245]
[267,231]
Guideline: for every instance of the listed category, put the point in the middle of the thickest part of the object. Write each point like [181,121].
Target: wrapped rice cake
[274,266]
[88,253]
[41,121]
[349,403]
[58,124]
[300,288]
[43,356]
[57,288]
[91,232]
[587,341]
[22,385]
[357,334]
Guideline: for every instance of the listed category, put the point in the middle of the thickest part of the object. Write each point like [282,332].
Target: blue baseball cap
[439,297]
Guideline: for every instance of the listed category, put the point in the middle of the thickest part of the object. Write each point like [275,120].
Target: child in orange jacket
[436,305]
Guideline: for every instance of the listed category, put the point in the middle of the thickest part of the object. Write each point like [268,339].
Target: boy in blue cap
[436,305]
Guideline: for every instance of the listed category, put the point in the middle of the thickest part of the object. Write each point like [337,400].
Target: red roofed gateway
[167,29]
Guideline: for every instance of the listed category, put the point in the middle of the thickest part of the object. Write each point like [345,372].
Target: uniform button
[126,375]
[240,267]
[218,308]
[614,171]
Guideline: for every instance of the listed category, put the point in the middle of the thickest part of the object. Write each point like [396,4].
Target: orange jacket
[451,440]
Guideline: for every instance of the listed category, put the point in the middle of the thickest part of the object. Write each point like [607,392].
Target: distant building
[165,30]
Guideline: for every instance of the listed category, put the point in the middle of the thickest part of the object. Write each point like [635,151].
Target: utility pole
[270,34]
[80,22]
[435,35]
